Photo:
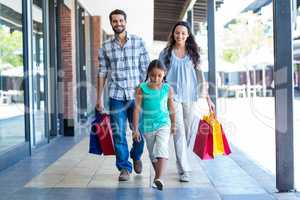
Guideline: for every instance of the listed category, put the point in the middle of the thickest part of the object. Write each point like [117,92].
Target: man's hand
[99,105]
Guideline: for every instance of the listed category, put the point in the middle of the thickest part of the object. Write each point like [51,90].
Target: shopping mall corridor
[65,170]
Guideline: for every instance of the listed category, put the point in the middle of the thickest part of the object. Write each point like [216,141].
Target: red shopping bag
[203,146]
[227,150]
[104,133]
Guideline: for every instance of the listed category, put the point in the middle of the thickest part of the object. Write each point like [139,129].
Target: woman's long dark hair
[190,44]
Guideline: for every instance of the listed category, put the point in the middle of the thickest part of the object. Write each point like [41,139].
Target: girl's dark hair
[158,65]
[190,44]
[117,12]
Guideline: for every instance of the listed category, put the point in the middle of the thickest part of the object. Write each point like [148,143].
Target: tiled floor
[64,170]
[79,169]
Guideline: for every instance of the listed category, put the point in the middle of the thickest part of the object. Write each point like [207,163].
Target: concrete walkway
[64,170]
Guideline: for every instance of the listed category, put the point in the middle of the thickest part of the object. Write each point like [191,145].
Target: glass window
[246,86]
[296,51]
[12,129]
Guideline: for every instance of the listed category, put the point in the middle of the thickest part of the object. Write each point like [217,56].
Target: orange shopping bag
[220,143]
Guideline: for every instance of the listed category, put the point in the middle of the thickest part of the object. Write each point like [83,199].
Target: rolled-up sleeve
[143,62]
[103,63]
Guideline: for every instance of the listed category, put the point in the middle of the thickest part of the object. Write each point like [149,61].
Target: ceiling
[168,12]
[10,17]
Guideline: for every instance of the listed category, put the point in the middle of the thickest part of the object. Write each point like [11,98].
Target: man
[124,60]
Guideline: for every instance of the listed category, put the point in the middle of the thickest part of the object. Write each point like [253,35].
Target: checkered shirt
[126,66]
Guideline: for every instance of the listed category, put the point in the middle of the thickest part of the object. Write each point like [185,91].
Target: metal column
[283,79]
[27,52]
[60,69]
[190,19]
[211,9]
[46,57]
[52,77]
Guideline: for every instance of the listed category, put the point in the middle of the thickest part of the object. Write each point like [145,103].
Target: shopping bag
[220,143]
[227,150]
[104,133]
[203,145]
[94,146]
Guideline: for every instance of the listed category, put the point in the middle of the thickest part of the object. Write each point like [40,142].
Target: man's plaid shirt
[127,66]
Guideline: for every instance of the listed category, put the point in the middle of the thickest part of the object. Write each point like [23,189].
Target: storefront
[43,78]
[24,82]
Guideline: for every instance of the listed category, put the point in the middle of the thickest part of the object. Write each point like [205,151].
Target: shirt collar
[127,37]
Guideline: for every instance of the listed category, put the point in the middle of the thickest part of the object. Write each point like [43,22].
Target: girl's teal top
[155,107]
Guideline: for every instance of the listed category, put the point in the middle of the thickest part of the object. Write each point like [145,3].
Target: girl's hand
[173,129]
[136,136]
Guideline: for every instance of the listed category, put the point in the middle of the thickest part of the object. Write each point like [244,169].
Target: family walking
[156,98]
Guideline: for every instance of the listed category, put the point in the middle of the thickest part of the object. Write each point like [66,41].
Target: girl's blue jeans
[120,112]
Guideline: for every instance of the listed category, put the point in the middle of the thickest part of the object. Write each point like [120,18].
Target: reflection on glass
[12,131]
[90,72]
[296,51]
[37,91]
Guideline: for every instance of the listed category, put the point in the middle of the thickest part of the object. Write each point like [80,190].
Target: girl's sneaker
[158,184]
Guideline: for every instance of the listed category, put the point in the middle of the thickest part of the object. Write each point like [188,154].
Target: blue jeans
[120,112]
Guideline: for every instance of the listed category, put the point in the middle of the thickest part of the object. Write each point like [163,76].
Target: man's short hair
[117,12]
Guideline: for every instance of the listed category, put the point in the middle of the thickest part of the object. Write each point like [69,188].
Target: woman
[182,59]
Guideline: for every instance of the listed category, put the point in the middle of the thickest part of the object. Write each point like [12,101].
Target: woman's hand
[211,105]
[136,136]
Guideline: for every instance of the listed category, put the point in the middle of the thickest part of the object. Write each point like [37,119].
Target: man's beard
[118,30]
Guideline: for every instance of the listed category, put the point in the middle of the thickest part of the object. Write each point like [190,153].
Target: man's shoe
[137,166]
[124,175]
[184,177]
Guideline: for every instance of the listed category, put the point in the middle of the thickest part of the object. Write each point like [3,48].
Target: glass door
[37,95]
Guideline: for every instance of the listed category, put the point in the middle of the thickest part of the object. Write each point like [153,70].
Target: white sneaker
[158,184]
[184,177]
[153,185]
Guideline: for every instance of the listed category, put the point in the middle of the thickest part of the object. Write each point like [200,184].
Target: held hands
[136,136]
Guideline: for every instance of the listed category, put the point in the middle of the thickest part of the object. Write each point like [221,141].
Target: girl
[155,98]
[182,59]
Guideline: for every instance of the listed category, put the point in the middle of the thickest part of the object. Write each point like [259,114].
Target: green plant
[11,47]
[244,36]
